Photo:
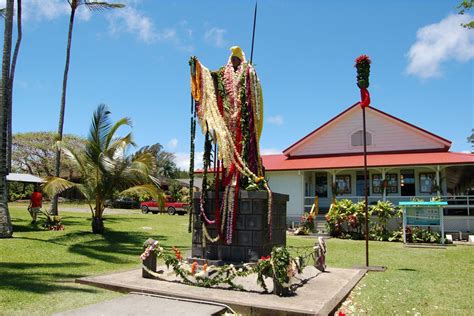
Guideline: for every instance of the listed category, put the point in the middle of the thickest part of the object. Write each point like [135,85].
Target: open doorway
[407,182]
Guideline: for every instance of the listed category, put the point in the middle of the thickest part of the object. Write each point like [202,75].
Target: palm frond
[156,193]
[141,165]
[56,185]
[119,146]
[98,132]
[102,6]
[75,159]
[155,180]
[114,128]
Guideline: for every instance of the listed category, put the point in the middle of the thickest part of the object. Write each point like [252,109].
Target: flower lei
[279,265]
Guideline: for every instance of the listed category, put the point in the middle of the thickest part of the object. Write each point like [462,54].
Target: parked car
[122,203]
[171,207]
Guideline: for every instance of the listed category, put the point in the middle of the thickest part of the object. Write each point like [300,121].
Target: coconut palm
[5,221]
[10,92]
[75,4]
[106,167]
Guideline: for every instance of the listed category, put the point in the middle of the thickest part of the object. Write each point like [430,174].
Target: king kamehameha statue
[229,108]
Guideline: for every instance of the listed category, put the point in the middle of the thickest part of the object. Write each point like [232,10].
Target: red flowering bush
[345,219]
[352,220]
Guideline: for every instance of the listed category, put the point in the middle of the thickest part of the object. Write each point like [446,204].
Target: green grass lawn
[38,268]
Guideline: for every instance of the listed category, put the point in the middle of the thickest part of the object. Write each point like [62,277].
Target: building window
[427,181]
[391,183]
[377,183]
[321,181]
[343,184]
[358,140]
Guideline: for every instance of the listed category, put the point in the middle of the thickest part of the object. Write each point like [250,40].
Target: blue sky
[136,61]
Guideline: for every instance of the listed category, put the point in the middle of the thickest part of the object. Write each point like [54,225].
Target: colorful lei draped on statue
[229,108]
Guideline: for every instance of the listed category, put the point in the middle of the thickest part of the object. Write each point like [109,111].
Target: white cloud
[270,151]
[215,36]
[38,10]
[182,160]
[132,21]
[172,143]
[275,120]
[438,43]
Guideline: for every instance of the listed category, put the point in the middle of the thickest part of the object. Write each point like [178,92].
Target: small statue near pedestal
[320,255]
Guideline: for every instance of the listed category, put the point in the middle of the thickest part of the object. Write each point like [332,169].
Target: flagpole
[366,190]
[363,70]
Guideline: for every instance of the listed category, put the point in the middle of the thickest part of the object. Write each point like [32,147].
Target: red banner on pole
[364,97]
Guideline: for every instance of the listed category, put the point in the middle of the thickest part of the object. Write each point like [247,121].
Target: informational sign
[423,216]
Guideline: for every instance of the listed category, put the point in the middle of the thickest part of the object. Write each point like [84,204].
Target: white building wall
[291,183]
[387,135]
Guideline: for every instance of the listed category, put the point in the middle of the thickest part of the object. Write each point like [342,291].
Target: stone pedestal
[251,237]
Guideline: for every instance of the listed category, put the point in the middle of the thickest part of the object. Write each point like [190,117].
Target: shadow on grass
[108,246]
[25,277]
[407,269]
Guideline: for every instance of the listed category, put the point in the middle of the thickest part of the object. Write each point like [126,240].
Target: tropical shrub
[346,219]
[384,210]
[422,235]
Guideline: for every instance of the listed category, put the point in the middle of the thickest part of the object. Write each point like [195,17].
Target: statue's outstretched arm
[196,80]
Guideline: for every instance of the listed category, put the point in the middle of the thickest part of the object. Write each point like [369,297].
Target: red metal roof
[282,162]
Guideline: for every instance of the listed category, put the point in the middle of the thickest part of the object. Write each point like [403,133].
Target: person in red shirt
[36,202]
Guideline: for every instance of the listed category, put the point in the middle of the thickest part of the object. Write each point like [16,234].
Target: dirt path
[79,208]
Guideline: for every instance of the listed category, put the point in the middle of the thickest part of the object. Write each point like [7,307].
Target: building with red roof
[404,161]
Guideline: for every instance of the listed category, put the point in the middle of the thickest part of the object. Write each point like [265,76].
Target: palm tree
[10,92]
[93,6]
[106,167]
[6,229]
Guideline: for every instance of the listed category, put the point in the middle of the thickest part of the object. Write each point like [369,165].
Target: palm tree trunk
[97,221]
[6,229]
[10,92]
[54,206]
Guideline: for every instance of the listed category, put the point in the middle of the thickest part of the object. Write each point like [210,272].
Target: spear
[253,33]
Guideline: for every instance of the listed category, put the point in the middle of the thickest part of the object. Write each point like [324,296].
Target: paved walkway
[147,305]
[80,208]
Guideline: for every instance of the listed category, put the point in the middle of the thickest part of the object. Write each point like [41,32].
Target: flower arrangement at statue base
[279,266]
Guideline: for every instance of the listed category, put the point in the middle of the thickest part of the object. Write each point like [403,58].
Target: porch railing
[458,205]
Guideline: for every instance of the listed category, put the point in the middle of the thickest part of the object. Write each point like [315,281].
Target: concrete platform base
[319,294]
